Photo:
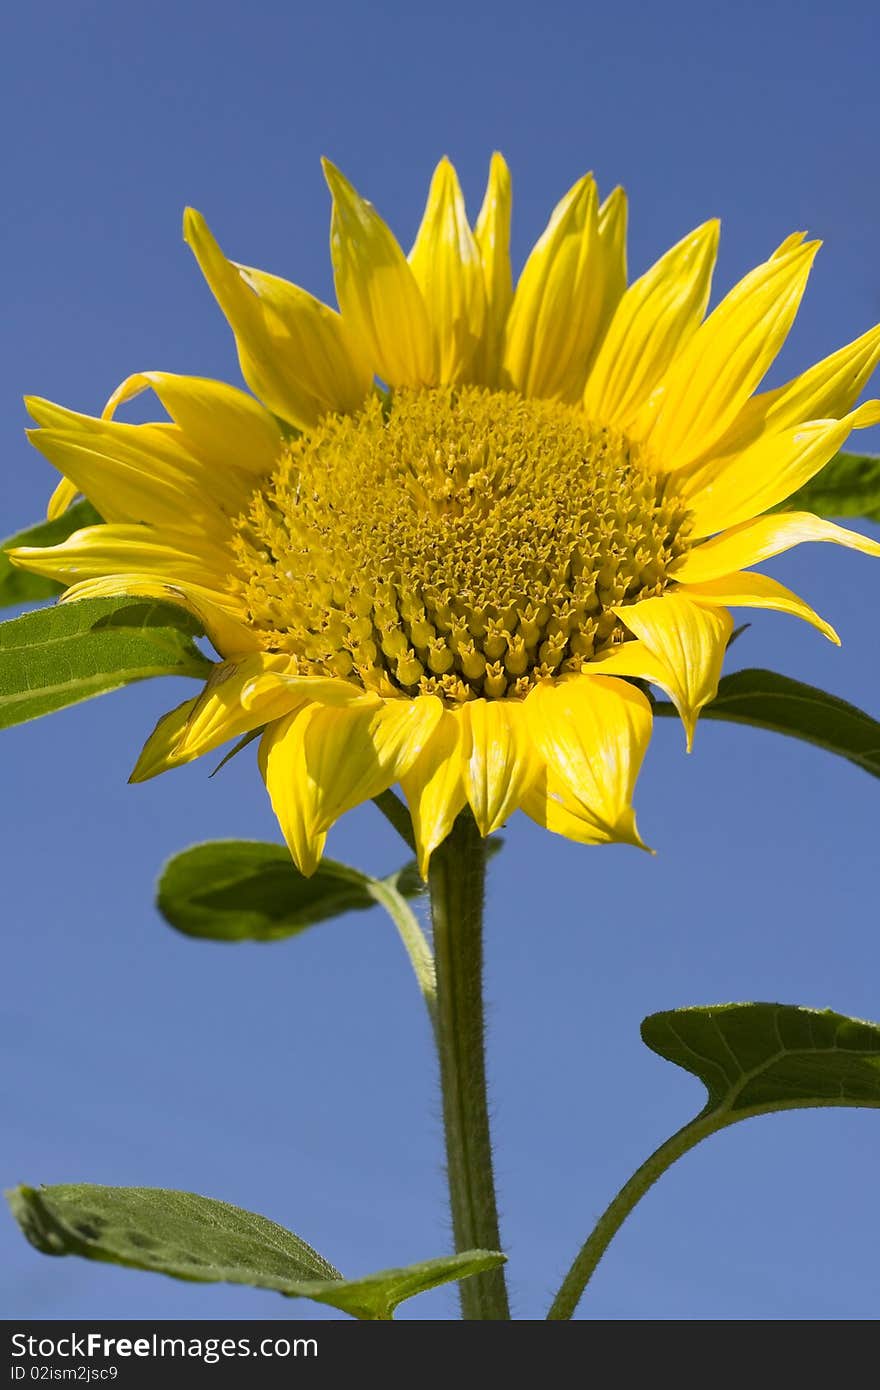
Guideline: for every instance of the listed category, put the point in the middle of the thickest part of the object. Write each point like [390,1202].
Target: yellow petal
[157,754]
[826,391]
[723,492]
[229,635]
[268,687]
[492,235]
[592,733]
[654,320]
[746,590]
[356,752]
[630,659]
[218,422]
[96,551]
[434,788]
[689,641]
[64,495]
[790,243]
[217,715]
[498,759]
[134,473]
[314,340]
[381,303]
[293,350]
[754,541]
[721,364]
[446,264]
[612,244]
[291,791]
[554,317]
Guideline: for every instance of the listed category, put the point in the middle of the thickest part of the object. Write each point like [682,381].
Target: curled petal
[434,787]
[753,541]
[592,733]
[713,376]
[825,391]
[613,214]
[291,790]
[98,551]
[492,235]
[136,473]
[353,753]
[217,421]
[382,305]
[724,492]
[499,759]
[746,590]
[554,318]
[217,715]
[446,263]
[294,351]
[268,687]
[230,634]
[64,496]
[687,642]
[654,320]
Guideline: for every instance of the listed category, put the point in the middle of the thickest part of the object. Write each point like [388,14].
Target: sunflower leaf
[849,485]
[205,1241]
[18,585]
[244,890]
[756,1058]
[767,700]
[753,1059]
[73,651]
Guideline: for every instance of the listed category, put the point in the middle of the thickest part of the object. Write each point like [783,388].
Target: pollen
[457,542]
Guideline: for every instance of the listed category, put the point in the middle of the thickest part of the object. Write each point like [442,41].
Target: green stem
[456,881]
[413,938]
[615,1214]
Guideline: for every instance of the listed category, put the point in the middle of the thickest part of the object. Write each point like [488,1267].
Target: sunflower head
[457,519]
[457,542]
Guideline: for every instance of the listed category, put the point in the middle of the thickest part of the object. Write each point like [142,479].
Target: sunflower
[457,523]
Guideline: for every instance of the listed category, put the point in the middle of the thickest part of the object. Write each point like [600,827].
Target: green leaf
[768,700]
[19,586]
[205,1241]
[755,1058]
[847,486]
[58,656]
[176,1233]
[243,890]
[377,1295]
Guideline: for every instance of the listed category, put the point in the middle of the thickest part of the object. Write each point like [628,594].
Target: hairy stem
[618,1210]
[413,938]
[456,881]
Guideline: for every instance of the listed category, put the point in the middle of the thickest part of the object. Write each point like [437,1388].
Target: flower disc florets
[463,543]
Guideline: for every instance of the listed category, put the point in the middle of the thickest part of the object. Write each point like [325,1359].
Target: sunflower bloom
[457,519]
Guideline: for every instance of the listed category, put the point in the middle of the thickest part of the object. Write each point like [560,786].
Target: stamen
[463,543]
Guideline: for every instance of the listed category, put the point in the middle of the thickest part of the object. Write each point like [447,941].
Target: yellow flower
[455,519]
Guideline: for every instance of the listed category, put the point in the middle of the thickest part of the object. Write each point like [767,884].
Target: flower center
[461,542]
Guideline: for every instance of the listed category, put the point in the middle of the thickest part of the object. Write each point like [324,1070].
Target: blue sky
[297,1079]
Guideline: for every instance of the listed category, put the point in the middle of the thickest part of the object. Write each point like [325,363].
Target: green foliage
[205,1241]
[242,890]
[754,1058]
[176,1233]
[767,700]
[19,586]
[58,656]
[847,486]
[376,1296]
